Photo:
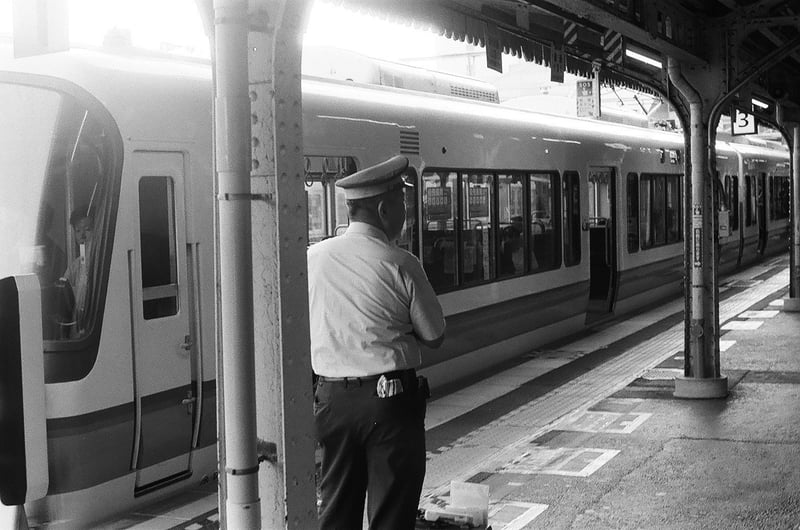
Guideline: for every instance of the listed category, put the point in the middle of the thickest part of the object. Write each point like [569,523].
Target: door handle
[187,343]
[189,402]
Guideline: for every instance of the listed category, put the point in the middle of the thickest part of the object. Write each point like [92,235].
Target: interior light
[642,58]
[760,104]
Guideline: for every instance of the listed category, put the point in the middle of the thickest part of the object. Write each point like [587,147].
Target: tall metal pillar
[793,302]
[239,462]
[280,286]
[702,371]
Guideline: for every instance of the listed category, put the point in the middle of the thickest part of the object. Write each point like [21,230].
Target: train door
[761,212]
[602,242]
[164,402]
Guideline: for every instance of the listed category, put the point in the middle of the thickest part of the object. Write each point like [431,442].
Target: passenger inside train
[75,280]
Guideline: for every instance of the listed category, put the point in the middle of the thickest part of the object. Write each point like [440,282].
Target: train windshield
[55,203]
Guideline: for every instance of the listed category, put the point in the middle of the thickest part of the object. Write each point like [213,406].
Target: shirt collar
[361,228]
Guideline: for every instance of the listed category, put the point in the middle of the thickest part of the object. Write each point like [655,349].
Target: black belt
[405,375]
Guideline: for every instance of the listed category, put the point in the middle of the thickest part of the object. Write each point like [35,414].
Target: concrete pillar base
[701,388]
[791,305]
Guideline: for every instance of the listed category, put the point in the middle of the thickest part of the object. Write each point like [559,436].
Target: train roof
[138,87]
[134,88]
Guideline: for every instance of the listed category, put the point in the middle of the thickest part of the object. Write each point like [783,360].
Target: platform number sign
[743,123]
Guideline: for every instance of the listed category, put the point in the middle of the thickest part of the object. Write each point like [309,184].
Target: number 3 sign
[743,123]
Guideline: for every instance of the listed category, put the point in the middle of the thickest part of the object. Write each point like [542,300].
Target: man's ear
[383,209]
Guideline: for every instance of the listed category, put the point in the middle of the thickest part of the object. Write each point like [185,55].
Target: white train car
[530,226]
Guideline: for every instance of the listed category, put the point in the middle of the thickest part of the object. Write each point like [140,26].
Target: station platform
[586,434]
[591,436]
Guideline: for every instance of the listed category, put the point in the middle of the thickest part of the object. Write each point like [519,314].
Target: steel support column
[702,374]
[239,467]
[793,302]
[280,286]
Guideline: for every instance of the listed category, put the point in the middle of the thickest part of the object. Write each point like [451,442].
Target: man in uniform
[371,306]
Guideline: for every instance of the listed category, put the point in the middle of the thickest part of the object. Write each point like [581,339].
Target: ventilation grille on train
[474,93]
[409,142]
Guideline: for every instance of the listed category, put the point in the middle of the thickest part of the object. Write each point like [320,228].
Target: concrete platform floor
[644,459]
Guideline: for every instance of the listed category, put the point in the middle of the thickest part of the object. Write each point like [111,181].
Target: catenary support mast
[792,303]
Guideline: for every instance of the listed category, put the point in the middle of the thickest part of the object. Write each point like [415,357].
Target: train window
[477,234]
[544,248]
[633,212]
[732,193]
[749,201]
[159,257]
[673,209]
[327,208]
[409,237]
[439,243]
[779,195]
[511,225]
[61,156]
[659,210]
[572,219]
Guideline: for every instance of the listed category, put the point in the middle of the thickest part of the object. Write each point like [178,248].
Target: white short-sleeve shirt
[369,301]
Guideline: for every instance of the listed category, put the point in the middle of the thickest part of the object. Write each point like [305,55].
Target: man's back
[371,295]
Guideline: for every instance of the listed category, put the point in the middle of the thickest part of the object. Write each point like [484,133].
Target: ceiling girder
[642,34]
[749,23]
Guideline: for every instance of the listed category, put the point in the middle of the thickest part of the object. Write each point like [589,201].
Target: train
[530,226]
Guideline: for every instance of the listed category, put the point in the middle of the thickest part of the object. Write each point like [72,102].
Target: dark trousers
[373,446]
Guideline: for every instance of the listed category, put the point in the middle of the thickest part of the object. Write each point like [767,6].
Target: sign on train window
[439,256]
[159,257]
[439,204]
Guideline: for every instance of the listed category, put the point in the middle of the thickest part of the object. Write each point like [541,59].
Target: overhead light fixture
[760,104]
[638,56]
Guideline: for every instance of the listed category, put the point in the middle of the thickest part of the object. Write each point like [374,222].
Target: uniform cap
[374,180]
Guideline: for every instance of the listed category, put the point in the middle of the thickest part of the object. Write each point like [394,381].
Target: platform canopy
[625,40]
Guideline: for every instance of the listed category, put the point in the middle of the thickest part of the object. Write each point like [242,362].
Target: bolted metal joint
[265,197]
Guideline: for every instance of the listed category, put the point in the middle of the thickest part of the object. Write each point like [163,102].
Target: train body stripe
[488,325]
[90,449]
[641,279]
